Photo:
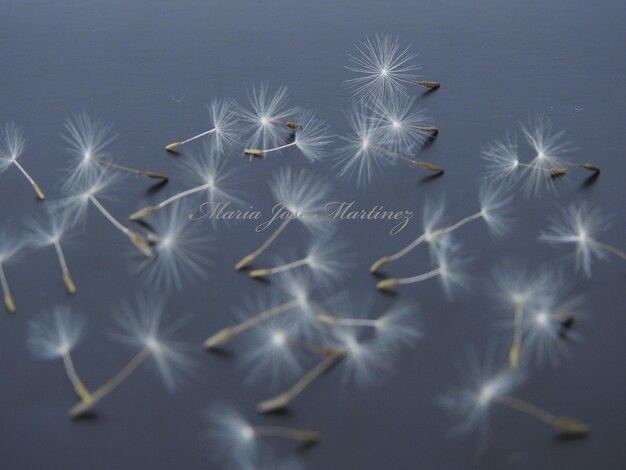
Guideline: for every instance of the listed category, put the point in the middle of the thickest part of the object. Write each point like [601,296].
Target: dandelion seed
[310,138]
[502,159]
[141,327]
[362,361]
[384,69]
[235,439]
[296,289]
[50,233]
[76,207]
[212,177]
[326,259]
[582,225]
[87,139]
[225,126]
[300,196]
[11,149]
[10,245]
[54,336]
[401,125]
[269,120]
[495,201]
[363,156]
[180,249]
[538,305]
[484,388]
[449,270]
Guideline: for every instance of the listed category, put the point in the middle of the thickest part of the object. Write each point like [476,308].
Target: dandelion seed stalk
[8,297]
[393,282]
[146,211]
[79,387]
[516,348]
[282,400]
[565,426]
[67,277]
[226,335]
[146,174]
[261,152]
[610,248]
[246,260]
[423,165]
[279,269]
[175,145]
[335,321]
[94,398]
[40,194]
[139,241]
[300,435]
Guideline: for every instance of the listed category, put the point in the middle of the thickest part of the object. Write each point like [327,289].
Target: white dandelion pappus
[360,157]
[54,336]
[400,124]
[269,118]
[87,139]
[546,164]
[12,146]
[501,159]
[383,68]
[581,225]
[181,250]
[310,137]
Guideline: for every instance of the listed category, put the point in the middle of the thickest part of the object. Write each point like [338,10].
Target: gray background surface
[499,62]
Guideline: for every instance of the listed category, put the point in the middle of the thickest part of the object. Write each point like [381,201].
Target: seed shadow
[430,178]
[590,180]
[89,416]
[156,187]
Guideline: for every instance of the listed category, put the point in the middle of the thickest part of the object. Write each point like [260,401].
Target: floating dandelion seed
[50,232]
[326,258]
[294,300]
[225,126]
[449,270]
[269,120]
[384,69]
[300,196]
[76,206]
[310,137]
[11,149]
[362,360]
[10,245]
[502,159]
[484,388]
[87,138]
[213,178]
[495,202]
[400,124]
[540,307]
[363,155]
[141,327]
[237,440]
[180,249]
[53,336]
[581,225]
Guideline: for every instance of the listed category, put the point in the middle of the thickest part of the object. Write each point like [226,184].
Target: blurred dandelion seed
[54,336]
[142,327]
[12,145]
[10,245]
[581,225]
